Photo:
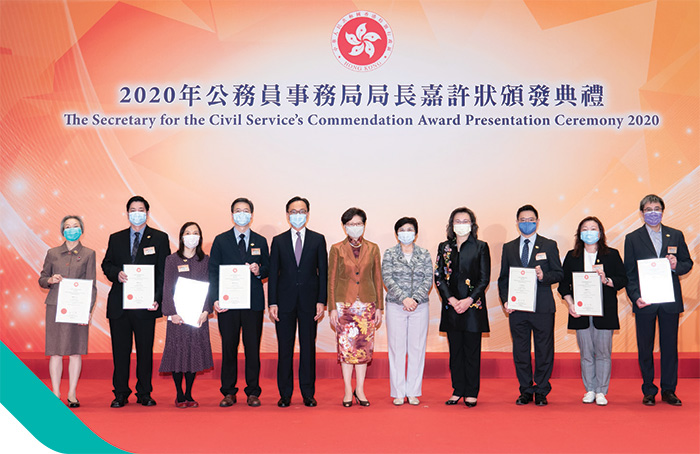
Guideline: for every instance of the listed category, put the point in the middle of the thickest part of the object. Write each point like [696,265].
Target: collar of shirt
[76,250]
[294,237]
[246,236]
[656,238]
[132,236]
[531,244]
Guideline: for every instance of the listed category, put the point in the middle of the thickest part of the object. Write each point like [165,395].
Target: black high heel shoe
[347,403]
[363,403]
[73,404]
[469,404]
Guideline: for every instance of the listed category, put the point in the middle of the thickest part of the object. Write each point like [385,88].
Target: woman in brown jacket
[355,301]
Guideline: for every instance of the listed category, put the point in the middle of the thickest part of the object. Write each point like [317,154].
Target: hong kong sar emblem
[362,41]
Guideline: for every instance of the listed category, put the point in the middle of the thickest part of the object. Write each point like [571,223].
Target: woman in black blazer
[594,334]
[462,273]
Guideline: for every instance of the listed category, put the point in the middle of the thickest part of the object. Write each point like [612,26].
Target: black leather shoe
[523,399]
[228,400]
[310,402]
[670,398]
[284,402]
[119,402]
[146,401]
[649,400]
[540,400]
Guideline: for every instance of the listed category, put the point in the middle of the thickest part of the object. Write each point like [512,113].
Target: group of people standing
[304,280]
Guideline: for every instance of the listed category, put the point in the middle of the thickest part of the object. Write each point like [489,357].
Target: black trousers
[465,362]
[286,332]
[540,327]
[668,344]
[231,323]
[122,330]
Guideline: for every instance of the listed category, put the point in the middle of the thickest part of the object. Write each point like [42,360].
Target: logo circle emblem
[225,297]
[580,303]
[75,284]
[513,298]
[64,311]
[130,296]
[362,41]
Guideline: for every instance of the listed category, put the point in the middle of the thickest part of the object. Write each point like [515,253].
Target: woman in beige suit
[70,260]
[355,301]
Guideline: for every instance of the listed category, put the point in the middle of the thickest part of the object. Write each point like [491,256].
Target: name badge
[183,268]
[255,251]
[541,256]
[673,250]
[598,266]
[149,250]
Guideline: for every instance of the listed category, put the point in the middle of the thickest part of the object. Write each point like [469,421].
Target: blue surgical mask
[242,218]
[406,237]
[297,220]
[590,236]
[137,218]
[527,228]
[72,233]
[653,218]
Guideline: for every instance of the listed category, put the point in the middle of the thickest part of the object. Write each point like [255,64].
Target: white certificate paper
[234,286]
[588,294]
[74,299]
[522,289]
[655,281]
[139,289]
[189,299]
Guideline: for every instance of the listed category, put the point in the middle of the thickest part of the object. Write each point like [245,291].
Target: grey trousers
[407,334]
[596,350]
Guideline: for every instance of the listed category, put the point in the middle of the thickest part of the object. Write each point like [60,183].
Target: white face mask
[462,229]
[190,241]
[354,231]
[406,237]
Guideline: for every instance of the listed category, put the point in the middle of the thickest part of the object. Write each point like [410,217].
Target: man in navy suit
[650,241]
[297,295]
[532,251]
[240,246]
[139,244]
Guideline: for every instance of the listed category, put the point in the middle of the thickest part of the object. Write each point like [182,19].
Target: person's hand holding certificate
[74,300]
[139,288]
[189,299]
[655,281]
[234,286]
[522,289]
[588,294]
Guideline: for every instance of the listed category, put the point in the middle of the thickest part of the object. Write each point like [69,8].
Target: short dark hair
[296,198]
[242,200]
[198,250]
[652,198]
[527,208]
[406,220]
[351,213]
[578,243]
[138,198]
[451,222]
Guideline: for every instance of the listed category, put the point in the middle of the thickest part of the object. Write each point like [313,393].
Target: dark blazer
[224,251]
[614,269]
[290,285]
[551,267]
[463,273]
[119,254]
[638,246]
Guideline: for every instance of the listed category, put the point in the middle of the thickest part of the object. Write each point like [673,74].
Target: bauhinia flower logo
[362,40]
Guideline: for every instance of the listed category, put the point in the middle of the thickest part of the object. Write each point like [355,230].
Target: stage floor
[495,425]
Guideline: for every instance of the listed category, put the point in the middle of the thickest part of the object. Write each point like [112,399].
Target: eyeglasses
[462,221]
[653,209]
[359,224]
[527,220]
[297,212]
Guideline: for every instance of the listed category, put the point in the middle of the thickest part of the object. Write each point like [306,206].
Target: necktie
[297,248]
[135,247]
[526,253]
[241,245]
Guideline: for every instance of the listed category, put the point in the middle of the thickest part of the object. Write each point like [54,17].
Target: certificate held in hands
[189,299]
[588,294]
[522,289]
[139,289]
[74,300]
[234,287]
[655,281]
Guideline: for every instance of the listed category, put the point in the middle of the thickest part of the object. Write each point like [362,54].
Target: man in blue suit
[297,295]
[240,246]
[650,241]
[531,250]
